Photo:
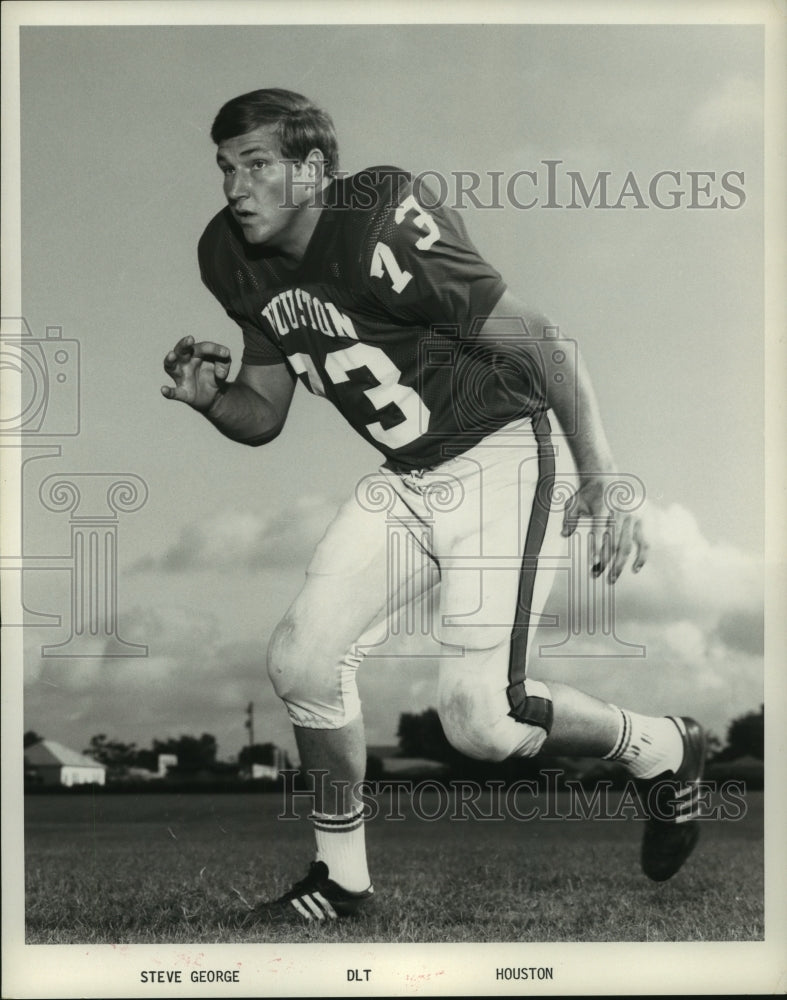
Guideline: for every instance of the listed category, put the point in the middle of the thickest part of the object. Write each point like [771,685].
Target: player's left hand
[613,534]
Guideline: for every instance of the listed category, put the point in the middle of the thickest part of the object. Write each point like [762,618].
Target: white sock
[647,746]
[341,844]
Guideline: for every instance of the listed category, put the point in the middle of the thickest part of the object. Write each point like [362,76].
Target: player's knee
[474,742]
[318,689]
[531,739]
[466,724]
[480,723]
[286,659]
[495,743]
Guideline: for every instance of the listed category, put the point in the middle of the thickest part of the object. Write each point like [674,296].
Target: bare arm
[573,401]
[251,410]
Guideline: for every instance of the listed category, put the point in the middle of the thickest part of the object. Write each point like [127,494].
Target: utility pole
[249,723]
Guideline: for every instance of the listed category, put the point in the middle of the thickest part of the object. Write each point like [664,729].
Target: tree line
[194,754]
[419,735]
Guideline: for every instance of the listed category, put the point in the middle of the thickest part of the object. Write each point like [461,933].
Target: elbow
[265,438]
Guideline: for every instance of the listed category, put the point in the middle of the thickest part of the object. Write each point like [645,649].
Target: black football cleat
[315,898]
[673,806]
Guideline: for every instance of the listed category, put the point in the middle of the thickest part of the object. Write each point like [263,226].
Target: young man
[382,304]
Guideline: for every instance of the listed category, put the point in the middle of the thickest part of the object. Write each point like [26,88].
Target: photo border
[433,969]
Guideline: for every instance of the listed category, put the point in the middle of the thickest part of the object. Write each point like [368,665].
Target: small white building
[165,762]
[50,763]
[269,771]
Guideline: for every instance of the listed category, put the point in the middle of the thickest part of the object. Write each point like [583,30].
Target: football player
[376,299]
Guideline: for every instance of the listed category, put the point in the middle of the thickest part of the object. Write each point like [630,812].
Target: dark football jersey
[381,317]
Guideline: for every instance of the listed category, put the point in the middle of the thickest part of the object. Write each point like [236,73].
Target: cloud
[734,107]
[246,540]
[695,613]
[742,630]
[687,577]
[199,677]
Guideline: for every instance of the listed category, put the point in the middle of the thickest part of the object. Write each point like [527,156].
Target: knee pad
[531,704]
[319,692]
[531,712]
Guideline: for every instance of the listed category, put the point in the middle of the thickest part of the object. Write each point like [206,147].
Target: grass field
[173,868]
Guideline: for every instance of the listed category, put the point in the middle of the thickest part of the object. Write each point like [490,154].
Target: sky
[119,180]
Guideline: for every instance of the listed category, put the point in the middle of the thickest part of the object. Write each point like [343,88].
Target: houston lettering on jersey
[297,309]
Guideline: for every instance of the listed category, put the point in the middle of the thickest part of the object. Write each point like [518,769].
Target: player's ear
[314,162]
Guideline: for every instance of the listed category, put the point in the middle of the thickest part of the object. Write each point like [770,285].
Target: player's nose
[236,188]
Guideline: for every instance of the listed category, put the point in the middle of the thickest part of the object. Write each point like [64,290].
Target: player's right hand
[199,372]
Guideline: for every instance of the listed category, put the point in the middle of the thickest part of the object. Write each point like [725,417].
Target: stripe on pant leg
[526,708]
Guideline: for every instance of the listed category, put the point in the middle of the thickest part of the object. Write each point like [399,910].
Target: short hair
[300,125]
